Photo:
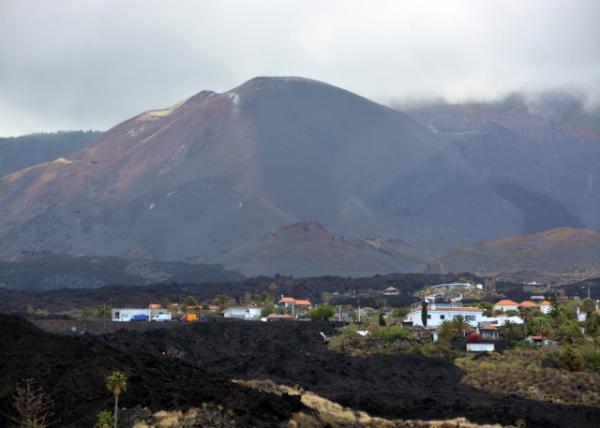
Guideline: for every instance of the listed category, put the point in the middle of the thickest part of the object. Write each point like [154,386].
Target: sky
[92,64]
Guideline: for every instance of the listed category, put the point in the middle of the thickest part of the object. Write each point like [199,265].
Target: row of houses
[289,307]
[508,305]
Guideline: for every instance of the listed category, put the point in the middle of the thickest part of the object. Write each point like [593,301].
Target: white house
[242,312]
[126,314]
[545,307]
[506,305]
[437,314]
[500,320]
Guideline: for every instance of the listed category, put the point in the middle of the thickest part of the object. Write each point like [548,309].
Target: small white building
[126,314]
[437,314]
[242,312]
[545,307]
[480,347]
[391,291]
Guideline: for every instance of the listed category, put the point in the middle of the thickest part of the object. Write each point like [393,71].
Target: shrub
[473,338]
[571,360]
[525,344]
[104,420]
[392,333]
[400,312]
[321,313]
[591,357]
[550,359]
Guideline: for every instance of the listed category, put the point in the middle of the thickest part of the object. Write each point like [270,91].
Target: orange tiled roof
[288,300]
[488,327]
[154,306]
[303,302]
[545,303]
[506,302]
[447,309]
[528,304]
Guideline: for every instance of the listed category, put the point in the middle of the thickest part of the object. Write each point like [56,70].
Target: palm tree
[116,383]
[105,420]
[446,331]
[460,325]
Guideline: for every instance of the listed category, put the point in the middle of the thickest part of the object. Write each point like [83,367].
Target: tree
[325,297]
[460,326]
[540,325]
[424,313]
[105,419]
[553,305]
[512,331]
[165,303]
[569,332]
[190,301]
[526,315]
[116,383]
[400,312]
[446,331]
[103,311]
[32,404]
[488,308]
[588,307]
[381,320]
[321,313]
[247,299]
[267,310]
[87,312]
[571,360]
[381,304]
[224,301]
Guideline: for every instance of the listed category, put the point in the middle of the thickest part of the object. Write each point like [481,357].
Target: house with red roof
[297,307]
[545,306]
[489,332]
[506,305]
[528,304]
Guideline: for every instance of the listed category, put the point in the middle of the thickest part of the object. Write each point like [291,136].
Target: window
[470,317]
[428,316]
[442,317]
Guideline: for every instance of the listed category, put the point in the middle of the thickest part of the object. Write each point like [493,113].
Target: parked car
[163,317]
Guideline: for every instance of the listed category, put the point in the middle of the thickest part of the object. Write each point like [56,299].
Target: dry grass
[520,372]
[330,413]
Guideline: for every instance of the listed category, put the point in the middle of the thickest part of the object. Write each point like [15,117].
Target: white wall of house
[501,320]
[125,314]
[435,317]
[480,347]
[242,313]
[505,308]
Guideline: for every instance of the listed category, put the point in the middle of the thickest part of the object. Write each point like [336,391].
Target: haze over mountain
[20,152]
[223,177]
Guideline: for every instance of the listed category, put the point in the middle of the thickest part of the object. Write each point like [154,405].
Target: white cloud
[92,64]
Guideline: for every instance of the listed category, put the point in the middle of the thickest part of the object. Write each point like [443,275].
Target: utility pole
[359,309]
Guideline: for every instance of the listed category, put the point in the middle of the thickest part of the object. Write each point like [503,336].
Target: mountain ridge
[209,176]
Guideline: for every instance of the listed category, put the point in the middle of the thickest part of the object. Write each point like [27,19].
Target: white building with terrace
[438,313]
